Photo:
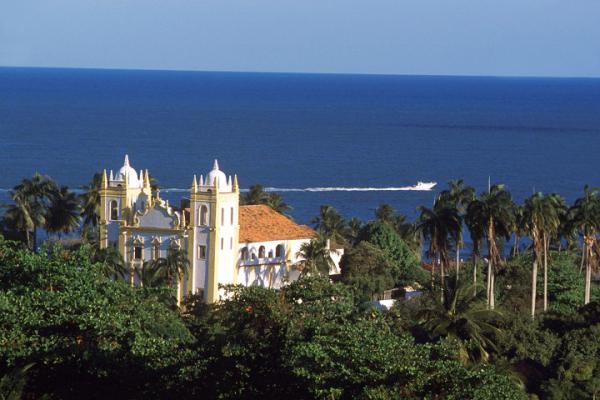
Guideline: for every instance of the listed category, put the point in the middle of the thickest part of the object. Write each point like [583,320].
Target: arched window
[244,253]
[203,216]
[137,252]
[261,252]
[279,251]
[270,253]
[114,210]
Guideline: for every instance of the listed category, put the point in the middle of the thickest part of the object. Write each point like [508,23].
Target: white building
[225,243]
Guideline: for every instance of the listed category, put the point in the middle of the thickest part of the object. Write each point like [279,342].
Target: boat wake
[420,186]
[347,189]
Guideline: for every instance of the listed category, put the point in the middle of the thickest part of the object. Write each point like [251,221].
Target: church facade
[225,243]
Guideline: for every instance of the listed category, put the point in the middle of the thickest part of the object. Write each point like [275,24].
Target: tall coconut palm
[477,232]
[458,196]
[494,211]
[556,209]
[539,216]
[439,225]
[464,317]
[31,198]
[585,216]
[63,214]
[316,256]
[519,228]
[330,224]
[90,201]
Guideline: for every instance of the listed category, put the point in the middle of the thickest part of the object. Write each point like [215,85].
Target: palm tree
[316,256]
[441,226]
[585,216]
[519,228]
[462,316]
[90,200]
[494,213]
[31,198]
[476,231]
[18,218]
[111,262]
[458,196]
[167,270]
[386,213]
[407,230]
[255,195]
[330,224]
[556,208]
[540,215]
[275,201]
[63,214]
[352,233]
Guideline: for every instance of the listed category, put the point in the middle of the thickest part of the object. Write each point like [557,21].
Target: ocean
[299,131]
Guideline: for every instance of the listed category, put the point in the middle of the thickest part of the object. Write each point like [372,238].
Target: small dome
[127,171]
[216,173]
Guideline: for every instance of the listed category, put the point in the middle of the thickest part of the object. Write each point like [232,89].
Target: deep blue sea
[296,131]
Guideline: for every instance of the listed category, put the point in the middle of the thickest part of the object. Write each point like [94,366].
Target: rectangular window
[231,215]
[137,253]
[201,252]
[230,243]
[221,243]
[222,216]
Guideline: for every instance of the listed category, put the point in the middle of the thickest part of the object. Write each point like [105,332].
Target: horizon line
[299,72]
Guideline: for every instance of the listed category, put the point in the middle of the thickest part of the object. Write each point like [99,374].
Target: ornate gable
[160,215]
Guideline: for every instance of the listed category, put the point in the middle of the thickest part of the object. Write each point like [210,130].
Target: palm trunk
[534,285]
[441,263]
[588,275]
[475,261]
[583,253]
[545,272]
[457,261]
[492,291]
[489,281]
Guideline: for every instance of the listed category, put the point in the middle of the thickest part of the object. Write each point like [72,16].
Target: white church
[225,243]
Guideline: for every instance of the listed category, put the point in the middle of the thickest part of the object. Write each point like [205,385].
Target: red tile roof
[261,223]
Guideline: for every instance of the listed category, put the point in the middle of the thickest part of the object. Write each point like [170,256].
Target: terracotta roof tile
[261,223]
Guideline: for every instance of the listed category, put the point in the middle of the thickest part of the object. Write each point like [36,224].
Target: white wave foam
[307,189]
[347,189]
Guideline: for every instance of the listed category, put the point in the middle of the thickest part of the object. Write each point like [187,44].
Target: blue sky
[447,37]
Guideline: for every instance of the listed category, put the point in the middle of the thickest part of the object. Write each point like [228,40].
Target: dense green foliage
[71,327]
